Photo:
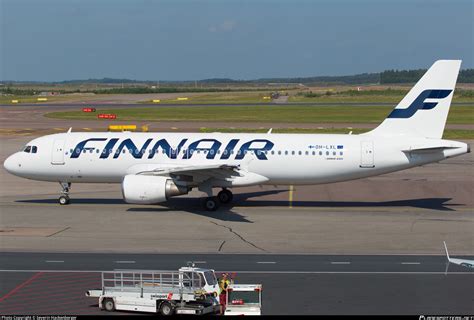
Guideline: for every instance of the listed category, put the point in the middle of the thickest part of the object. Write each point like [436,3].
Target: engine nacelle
[141,189]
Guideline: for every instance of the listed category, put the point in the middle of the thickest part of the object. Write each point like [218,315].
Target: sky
[55,40]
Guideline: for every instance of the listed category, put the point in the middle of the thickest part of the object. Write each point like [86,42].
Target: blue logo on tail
[420,104]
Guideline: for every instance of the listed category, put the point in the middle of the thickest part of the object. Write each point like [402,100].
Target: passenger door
[367,154]
[57,154]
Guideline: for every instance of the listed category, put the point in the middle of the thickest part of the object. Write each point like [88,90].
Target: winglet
[446,249]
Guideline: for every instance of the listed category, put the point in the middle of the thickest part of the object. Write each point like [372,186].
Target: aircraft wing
[197,174]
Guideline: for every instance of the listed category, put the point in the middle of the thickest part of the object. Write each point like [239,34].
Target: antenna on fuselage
[70,130]
[269,131]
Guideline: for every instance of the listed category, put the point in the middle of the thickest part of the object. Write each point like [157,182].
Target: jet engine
[141,189]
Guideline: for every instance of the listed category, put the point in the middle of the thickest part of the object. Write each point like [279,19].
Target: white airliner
[153,167]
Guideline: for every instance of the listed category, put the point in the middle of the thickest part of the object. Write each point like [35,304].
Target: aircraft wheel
[211,204]
[63,200]
[225,196]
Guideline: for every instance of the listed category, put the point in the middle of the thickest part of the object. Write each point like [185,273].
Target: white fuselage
[106,157]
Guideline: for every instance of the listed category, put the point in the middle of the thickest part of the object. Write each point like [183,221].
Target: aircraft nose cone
[10,164]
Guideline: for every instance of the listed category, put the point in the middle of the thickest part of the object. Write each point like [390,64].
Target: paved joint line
[266,262]
[54,261]
[35,276]
[238,235]
[58,232]
[220,247]
[340,262]
[125,261]
[410,262]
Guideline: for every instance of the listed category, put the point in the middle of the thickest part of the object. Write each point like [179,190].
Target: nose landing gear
[64,198]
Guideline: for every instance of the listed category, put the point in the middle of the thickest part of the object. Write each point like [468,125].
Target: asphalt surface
[262,263]
[292,284]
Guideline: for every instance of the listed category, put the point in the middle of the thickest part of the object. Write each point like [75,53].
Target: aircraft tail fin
[424,110]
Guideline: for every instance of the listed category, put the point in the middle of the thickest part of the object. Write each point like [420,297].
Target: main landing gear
[64,198]
[212,203]
[225,196]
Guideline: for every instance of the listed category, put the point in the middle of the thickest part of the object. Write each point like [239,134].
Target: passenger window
[299,153]
[320,153]
[314,153]
[286,153]
[292,153]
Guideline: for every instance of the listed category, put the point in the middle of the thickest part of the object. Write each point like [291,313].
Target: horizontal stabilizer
[429,149]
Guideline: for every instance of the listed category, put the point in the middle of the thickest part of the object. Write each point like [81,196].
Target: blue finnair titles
[138,152]
[420,104]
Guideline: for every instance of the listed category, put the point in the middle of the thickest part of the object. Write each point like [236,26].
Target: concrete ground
[45,283]
[409,212]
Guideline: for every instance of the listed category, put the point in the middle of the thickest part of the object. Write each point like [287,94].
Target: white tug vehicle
[189,290]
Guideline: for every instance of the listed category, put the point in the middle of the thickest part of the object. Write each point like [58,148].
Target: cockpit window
[30,149]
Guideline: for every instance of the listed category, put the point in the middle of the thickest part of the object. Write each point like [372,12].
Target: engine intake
[141,189]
